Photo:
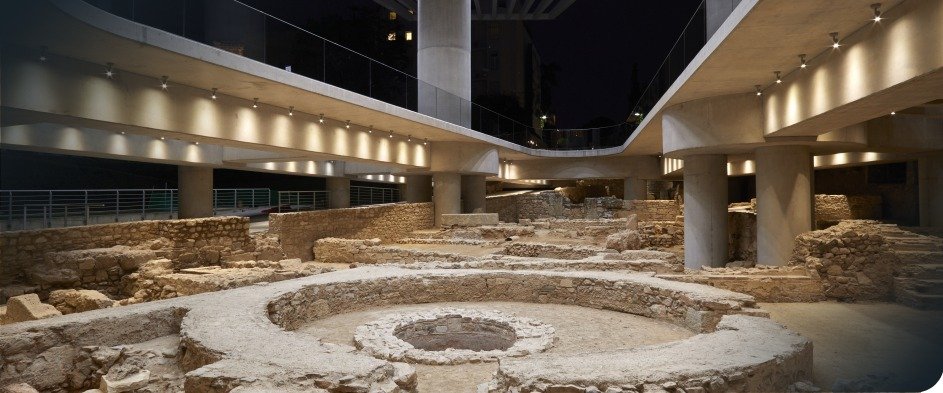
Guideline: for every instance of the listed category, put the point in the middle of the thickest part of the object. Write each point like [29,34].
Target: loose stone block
[28,308]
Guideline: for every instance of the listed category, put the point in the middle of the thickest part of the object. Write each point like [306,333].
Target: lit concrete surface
[443,52]
[854,340]
[418,188]
[705,211]
[447,194]
[338,189]
[473,193]
[195,186]
[783,201]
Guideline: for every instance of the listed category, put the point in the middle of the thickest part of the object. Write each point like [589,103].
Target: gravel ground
[578,329]
[900,347]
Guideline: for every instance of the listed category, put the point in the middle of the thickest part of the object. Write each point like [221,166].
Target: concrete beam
[886,66]
[59,139]
[642,167]
[464,158]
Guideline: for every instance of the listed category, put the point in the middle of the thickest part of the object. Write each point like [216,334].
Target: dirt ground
[900,347]
[578,329]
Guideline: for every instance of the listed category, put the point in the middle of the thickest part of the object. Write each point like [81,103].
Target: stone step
[923,270]
[909,245]
[925,286]
[919,257]
[919,300]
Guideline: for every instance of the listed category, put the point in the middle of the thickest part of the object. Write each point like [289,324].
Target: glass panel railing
[244,30]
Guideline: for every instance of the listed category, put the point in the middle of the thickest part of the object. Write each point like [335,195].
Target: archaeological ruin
[452,196]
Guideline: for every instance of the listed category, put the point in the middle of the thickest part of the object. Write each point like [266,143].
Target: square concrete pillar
[338,189]
[634,189]
[473,193]
[705,211]
[783,201]
[418,188]
[446,195]
[195,191]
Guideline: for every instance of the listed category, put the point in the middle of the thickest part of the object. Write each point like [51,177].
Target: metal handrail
[402,89]
[364,195]
[302,200]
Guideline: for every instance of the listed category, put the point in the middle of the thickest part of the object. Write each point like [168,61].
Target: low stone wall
[334,250]
[759,355]
[773,284]
[469,220]
[298,232]
[660,234]
[654,209]
[552,204]
[24,249]
[853,260]
[543,250]
[830,209]
[741,232]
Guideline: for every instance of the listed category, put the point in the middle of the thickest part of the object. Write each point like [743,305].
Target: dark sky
[595,43]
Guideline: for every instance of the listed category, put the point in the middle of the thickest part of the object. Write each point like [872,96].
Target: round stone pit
[447,336]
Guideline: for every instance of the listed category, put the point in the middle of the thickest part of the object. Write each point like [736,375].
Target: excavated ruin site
[539,295]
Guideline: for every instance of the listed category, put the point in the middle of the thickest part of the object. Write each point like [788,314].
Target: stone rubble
[27,308]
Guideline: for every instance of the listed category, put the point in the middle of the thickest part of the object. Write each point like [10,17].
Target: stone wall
[741,232]
[21,250]
[298,232]
[543,250]
[552,204]
[853,260]
[660,234]
[334,250]
[830,209]
[654,209]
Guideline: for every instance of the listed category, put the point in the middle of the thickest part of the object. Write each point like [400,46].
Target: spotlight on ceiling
[255,103]
[877,12]
[409,138]
[779,78]
[391,134]
[162,138]
[42,53]
[425,142]
[893,113]
[543,117]
[291,111]
[802,62]
[213,96]
[758,91]
[123,133]
[370,130]
[163,82]
[110,70]
[835,43]
[321,118]
[347,125]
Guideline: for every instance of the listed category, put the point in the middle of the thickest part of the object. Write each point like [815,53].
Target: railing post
[65,215]
[87,215]
[24,216]
[143,204]
[86,206]
[117,203]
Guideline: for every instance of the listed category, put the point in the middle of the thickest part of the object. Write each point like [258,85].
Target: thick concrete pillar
[705,211]
[783,201]
[446,194]
[634,188]
[338,192]
[195,191]
[444,60]
[418,188]
[930,189]
[473,193]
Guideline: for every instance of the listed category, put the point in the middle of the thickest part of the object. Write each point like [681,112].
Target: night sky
[595,43]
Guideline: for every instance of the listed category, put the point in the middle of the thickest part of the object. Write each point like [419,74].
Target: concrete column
[444,60]
[930,189]
[705,211]
[338,192]
[473,193]
[418,188]
[195,191]
[446,195]
[634,188]
[783,201]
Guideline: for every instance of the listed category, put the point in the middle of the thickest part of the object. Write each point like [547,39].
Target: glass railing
[239,28]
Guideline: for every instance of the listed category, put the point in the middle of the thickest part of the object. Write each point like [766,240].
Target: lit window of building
[409,36]
[391,36]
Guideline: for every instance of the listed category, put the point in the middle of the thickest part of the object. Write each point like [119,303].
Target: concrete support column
[446,194]
[705,210]
[930,188]
[473,193]
[444,60]
[195,191]
[634,188]
[783,201]
[338,192]
[418,188]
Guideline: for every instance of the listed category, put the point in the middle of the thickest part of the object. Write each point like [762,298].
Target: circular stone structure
[453,336]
